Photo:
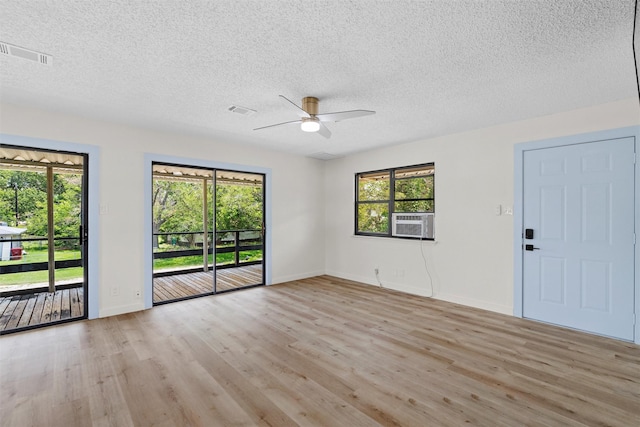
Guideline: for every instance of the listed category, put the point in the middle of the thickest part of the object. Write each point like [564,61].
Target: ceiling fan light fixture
[310,124]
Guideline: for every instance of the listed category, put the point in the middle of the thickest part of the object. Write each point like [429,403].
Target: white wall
[471,261]
[297,191]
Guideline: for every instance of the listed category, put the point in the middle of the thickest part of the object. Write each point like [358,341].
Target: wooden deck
[185,285]
[20,311]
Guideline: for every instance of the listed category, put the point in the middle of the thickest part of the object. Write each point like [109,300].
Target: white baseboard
[291,277]
[354,277]
[121,309]
[421,291]
[472,302]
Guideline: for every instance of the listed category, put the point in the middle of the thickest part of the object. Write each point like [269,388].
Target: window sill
[397,238]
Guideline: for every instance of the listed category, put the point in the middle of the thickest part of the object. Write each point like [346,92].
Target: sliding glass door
[240,230]
[43,244]
[186,243]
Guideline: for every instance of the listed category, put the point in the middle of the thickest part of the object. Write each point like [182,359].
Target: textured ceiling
[427,68]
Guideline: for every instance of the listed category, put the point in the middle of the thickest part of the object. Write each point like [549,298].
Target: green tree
[414,188]
[23,201]
[21,192]
[373,217]
[67,210]
[186,215]
[239,207]
[177,207]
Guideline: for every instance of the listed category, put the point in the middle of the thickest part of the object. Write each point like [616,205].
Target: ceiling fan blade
[280,124]
[324,131]
[299,111]
[343,115]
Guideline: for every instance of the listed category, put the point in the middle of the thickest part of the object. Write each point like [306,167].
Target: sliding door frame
[149,160]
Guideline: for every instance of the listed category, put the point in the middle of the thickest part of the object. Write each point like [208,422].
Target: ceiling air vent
[20,52]
[324,156]
[242,110]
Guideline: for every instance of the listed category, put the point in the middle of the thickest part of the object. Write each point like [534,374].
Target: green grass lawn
[40,276]
[42,255]
[196,260]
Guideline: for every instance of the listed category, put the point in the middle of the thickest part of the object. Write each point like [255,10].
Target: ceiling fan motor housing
[310,105]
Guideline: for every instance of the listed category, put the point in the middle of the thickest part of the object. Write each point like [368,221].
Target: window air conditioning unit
[412,225]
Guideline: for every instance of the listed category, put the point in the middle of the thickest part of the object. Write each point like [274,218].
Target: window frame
[392,198]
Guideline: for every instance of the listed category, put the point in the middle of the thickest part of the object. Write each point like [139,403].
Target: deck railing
[233,248]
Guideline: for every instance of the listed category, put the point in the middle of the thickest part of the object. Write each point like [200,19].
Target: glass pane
[414,188]
[239,220]
[238,201]
[27,268]
[179,232]
[250,256]
[414,206]
[373,186]
[177,223]
[67,211]
[225,248]
[373,217]
[23,215]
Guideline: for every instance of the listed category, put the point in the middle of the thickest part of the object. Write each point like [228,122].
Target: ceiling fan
[311,121]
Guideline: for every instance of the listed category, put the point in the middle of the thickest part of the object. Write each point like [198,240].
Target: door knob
[530,248]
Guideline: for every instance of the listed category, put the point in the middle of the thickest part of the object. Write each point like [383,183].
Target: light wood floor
[322,351]
[168,288]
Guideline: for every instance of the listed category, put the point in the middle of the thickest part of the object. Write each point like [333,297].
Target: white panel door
[578,268]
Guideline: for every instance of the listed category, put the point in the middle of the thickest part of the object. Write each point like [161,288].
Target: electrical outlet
[115,291]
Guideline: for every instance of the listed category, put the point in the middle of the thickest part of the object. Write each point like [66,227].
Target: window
[381,193]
